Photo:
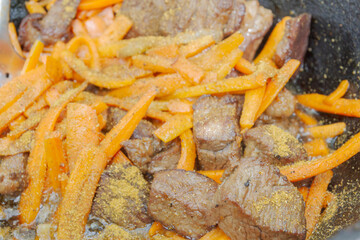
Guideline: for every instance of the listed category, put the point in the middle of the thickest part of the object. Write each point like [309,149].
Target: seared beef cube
[13,177]
[291,124]
[283,105]
[255,25]
[273,144]
[122,197]
[217,131]
[295,41]
[257,202]
[166,159]
[182,200]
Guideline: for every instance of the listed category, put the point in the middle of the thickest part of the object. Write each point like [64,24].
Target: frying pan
[333,55]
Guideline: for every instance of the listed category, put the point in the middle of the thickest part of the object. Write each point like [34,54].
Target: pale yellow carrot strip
[33,58]
[173,127]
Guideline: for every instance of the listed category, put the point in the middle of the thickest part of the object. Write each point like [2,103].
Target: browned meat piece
[257,202]
[256,24]
[273,144]
[13,176]
[295,41]
[122,197]
[166,159]
[291,124]
[283,105]
[182,200]
[49,28]
[164,17]
[217,131]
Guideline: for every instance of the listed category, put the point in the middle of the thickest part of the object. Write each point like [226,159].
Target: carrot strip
[81,130]
[188,152]
[94,77]
[124,129]
[34,7]
[245,67]
[208,60]
[117,30]
[120,158]
[155,228]
[215,234]
[99,106]
[179,106]
[55,158]
[27,124]
[327,131]
[89,5]
[31,197]
[222,86]
[153,63]
[315,200]
[188,70]
[303,170]
[196,46]
[174,127]
[329,197]
[74,44]
[306,118]
[16,122]
[304,192]
[338,93]
[165,84]
[277,84]
[33,58]
[341,106]
[101,122]
[14,39]
[55,91]
[252,103]
[168,51]
[317,147]
[28,97]
[224,66]
[215,175]
[78,28]
[275,37]
[37,106]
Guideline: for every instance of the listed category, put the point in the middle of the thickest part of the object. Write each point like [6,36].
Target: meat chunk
[274,144]
[256,24]
[291,124]
[164,17]
[181,200]
[122,197]
[49,28]
[13,177]
[257,202]
[283,106]
[295,41]
[217,131]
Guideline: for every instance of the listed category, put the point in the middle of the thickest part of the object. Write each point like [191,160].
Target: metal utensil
[10,62]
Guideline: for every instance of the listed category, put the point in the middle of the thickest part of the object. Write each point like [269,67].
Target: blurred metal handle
[10,62]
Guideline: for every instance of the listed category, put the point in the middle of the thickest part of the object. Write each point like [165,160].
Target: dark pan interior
[333,55]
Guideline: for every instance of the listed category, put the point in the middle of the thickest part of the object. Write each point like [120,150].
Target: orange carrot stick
[308,169]
[34,7]
[245,67]
[14,39]
[36,167]
[99,106]
[74,44]
[179,106]
[215,234]
[327,131]
[174,127]
[76,204]
[89,5]
[338,93]
[120,158]
[155,228]
[329,197]
[196,46]
[277,84]
[253,100]
[153,63]
[33,58]
[224,67]
[55,159]
[274,39]
[304,192]
[188,70]
[215,175]
[14,124]
[315,200]
[37,106]
[117,30]
[341,106]
[317,147]
[188,151]
[169,51]
[124,129]
[306,118]
[81,130]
